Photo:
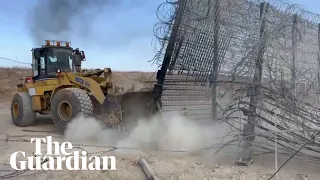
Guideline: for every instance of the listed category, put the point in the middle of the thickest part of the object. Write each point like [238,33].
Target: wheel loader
[60,88]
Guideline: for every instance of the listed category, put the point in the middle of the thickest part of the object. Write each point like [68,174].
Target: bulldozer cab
[52,58]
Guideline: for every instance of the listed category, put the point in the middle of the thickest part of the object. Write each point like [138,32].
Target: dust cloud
[169,133]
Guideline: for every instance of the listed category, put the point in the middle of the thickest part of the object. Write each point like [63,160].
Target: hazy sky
[116,35]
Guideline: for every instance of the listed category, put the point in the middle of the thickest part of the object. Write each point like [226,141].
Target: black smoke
[59,19]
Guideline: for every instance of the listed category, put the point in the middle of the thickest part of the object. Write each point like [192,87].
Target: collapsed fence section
[270,48]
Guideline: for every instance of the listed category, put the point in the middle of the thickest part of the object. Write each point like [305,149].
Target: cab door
[38,64]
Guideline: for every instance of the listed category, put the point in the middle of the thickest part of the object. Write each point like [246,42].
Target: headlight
[58,70]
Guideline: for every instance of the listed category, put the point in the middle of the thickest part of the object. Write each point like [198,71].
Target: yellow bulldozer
[60,88]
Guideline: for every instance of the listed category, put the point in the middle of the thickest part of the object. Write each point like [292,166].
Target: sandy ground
[167,166]
[199,165]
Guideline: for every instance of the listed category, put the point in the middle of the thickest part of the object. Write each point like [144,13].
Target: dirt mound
[10,77]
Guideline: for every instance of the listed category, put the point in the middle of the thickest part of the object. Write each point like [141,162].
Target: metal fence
[270,48]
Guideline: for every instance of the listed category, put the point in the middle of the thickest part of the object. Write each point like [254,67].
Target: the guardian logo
[63,154]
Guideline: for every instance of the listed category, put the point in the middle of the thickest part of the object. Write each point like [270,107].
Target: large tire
[21,110]
[77,99]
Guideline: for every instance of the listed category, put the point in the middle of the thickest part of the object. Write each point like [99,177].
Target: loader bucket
[136,106]
[125,109]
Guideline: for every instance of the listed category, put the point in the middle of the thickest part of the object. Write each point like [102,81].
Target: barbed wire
[110,148]
[16,61]
[19,139]
[282,39]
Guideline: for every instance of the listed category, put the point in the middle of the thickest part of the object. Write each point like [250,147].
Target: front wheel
[68,104]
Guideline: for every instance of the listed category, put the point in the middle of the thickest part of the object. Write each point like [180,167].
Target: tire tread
[29,116]
[86,106]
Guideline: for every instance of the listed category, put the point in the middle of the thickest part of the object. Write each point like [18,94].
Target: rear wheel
[21,110]
[68,104]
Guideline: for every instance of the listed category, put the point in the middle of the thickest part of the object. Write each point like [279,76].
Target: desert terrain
[181,145]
